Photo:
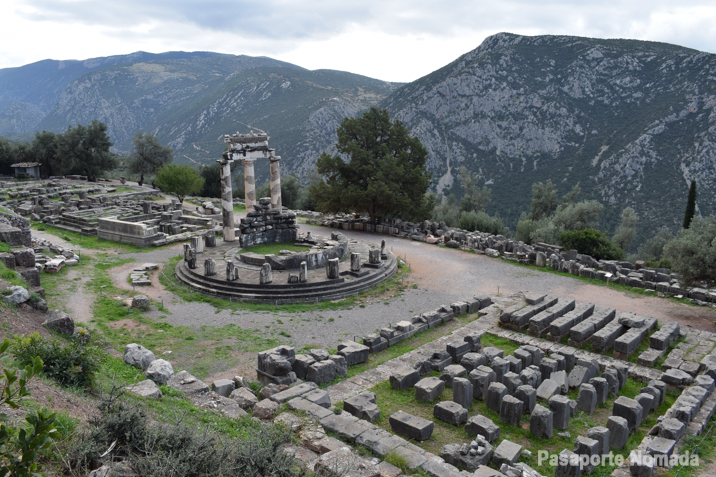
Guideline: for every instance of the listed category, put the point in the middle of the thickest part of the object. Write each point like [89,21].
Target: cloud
[396,40]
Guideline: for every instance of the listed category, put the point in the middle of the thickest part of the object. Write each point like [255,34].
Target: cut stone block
[548,366]
[506,453]
[223,387]
[578,376]
[429,389]
[462,392]
[344,428]
[541,422]
[265,409]
[512,381]
[363,406]
[472,360]
[587,399]
[584,446]
[404,378]
[655,393]
[601,435]
[568,465]
[491,353]
[531,376]
[354,353]
[411,426]
[561,378]
[515,364]
[483,426]
[301,364]
[630,410]
[511,410]
[451,372]
[524,356]
[618,432]
[295,391]
[457,350]
[602,389]
[146,389]
[450,412]
[500,366]
[496,392]
[528,396]
[547,389]
[559,405]
[661,446]
[322,372]
[706,382]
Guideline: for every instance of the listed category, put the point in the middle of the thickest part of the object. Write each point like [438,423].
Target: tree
[652,250]
[148,155]
[384,174]
[476,199]
[44,151]
[179,180]
[690,206]
[85,150]
[211,174]
[625,233]
[591,242]
[693,252]
[544,200]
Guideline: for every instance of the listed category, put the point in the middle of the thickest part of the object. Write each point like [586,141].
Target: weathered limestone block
[528,396]
[450,412]
[411,426]
[560,407]
[209,267]
[374,256]
[481,378]
[404,378]
[511,410]
[265,275]
[303,273]
[355,262]
[541,422]
[354,353]
[496,392]
[146,389]
[630,410]
[568,465]
[332,271]
[587,399]
[159,371]
[429,389]
[584,446]
[223,387]
[232,273]
[506,453]
[63,323]
[321,372]
[462,393]
[363,406]
[451,372]
[210,238]
[138,356]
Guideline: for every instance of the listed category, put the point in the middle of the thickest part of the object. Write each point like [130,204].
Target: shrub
[591,242]
[74,364]
[170,450]
[19,448]
[480,221]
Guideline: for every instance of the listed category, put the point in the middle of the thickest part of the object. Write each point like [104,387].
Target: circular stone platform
[317,288]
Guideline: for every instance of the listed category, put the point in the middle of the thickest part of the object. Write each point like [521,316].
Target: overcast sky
[395,40]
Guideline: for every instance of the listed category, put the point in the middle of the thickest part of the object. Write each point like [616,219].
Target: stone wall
[265,225]
[111,228]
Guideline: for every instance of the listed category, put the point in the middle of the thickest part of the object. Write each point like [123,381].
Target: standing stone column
[303,274]
[265,275]
[209,267]
[332,269]
[227,200]
[249,185]
[275,182]
[355,262]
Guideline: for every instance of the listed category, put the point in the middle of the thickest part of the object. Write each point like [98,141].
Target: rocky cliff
[631,122]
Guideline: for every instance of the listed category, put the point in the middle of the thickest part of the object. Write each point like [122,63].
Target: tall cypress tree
[690,206]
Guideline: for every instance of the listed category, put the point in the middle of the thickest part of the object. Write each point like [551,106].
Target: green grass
[4,247]
[12,277]
[392,287]
[391,400]
[275,248]
[704,446]
[239,208]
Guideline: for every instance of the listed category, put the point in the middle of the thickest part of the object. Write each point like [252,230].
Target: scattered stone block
[244,398]
[492,353]
[528,396]
[578,376]
[618,432]
[515,364]
[561,378]
[482,426]
[511,410]
[602,389]
[429,389]
[541,422]
[404,378]
[314,411]
[512,381]
[547,389]
[363,406]
[706,382]
[321,372]
[462,392]
[450,412]
[500,366]
[472,360]
[630,410]
[655,393]
[548,366]
[506,453]
[451,372]
[601,435]
[457,350]
[265,409]
[63,323]
[524,356]
[474,341]
[223,387]
[559,405]
[496,392]
[440,360]
[160,371]
[301,364]
[354,353]
[341,365]
[481,378]
[343,427]
[318,397]
[411,426]
[676,377]
[587,399]
[584,446]
[568,465]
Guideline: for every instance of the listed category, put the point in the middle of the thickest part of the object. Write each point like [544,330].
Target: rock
[676,377]
[429,389]
[404,378]
[138,356]
[587,399]
[618,432]
[146,389]
[40,304]
[495,394]
[188,384]
[462,392]
[18,295]
[568,465]
[293,392]
[318,354]
[584,446]
[511,410]
[318,397]
[363,406]
[528,396]
[301,364]
[451,372]
[159,371]
[601,435]
[265,409]
[541,422]
[506,453]
[140,301]
[411,426]
[482,426]
[450,412]
[271,389]
[471,361]
[671,428]
[322,372]
[244,398]
[630,410]
[354,353]
[547,389]
[559,405]
[62,323]
[341,365]
[223,387]
[481,378]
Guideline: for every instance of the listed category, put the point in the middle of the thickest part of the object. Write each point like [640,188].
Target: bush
[19,448]
[74,364]
[693,252]
[593,243]
[170,450]
[481,222]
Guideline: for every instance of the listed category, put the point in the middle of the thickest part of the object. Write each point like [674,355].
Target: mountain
[631,122]
[28,92]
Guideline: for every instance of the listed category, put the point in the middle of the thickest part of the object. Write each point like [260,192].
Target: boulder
[244,398]
[63,323]
[140,301]
[147,389]
[138,356]
[18,295]
[223,387]
[160,371]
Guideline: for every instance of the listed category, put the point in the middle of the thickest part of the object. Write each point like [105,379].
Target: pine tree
[690,206]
